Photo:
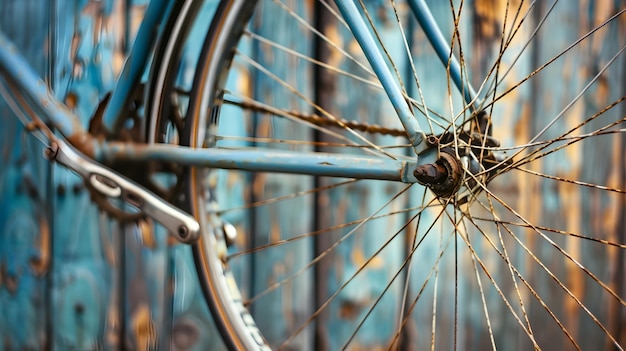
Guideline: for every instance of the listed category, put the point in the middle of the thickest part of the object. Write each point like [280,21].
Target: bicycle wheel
[526,250]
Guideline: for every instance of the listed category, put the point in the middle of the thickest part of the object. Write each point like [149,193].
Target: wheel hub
[444,176]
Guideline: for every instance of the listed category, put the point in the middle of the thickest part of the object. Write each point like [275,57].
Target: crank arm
[112,185]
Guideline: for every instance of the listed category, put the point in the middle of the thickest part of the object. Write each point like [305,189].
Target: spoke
[409,56]
[534,155]
[571,103]
[553,59]
[493,84]
[552,230]
[492,210]
[466,88]
[577,182]
[551,274]
[493,282]
[313,104]
[326,230]
[515,27]
[476,259]
[499,291]
[496,69]
[307,25]
[456,275]
[521,278]
[420,105]
[334,69]
[327,251]
[484,302]
[575,138]
[286,197]
[434,270]
[596,77]
[406,261]
[414,243]
[433,328]
[350,279]
[557,247]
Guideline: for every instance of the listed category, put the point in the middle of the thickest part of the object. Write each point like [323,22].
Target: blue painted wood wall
[72,279]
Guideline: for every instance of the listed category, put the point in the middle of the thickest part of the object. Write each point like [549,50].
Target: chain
[319,120]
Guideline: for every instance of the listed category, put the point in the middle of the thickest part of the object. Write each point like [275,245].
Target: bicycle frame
[23,80]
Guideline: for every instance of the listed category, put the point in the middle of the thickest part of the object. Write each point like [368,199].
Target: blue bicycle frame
[27,84]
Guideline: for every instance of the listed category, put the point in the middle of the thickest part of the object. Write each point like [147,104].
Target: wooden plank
[25,228]
[357,201]
[287,307]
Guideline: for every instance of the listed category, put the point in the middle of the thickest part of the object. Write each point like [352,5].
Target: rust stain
[574,152]
[359,259]
[83,142]
[349,310]
[112,335]
[40,264]
[258,185]
[264,128]
[146,231]
[244,80]
[488,13]
[527,199]
[335,57]
[241,239]
[10,282]
[108,250]
[275,232]
[144,329]
[77,65]
[602,11]
[112,25]
[71,100]
[571,198]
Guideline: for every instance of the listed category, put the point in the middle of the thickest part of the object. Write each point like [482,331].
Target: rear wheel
[528,249]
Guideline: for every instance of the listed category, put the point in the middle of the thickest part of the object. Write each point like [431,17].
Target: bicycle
[449,166]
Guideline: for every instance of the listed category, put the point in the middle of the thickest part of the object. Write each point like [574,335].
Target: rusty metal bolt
[443,177]
[431,173]
[51,151]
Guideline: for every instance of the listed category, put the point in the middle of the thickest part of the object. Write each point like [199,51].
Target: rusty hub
[443,177]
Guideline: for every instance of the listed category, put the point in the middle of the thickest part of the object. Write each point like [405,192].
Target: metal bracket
[114,186]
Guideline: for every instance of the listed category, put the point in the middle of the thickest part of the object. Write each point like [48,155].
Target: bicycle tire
[533,315]
[237,327]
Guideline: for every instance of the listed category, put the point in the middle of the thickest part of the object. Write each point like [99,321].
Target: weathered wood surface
[72,279]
